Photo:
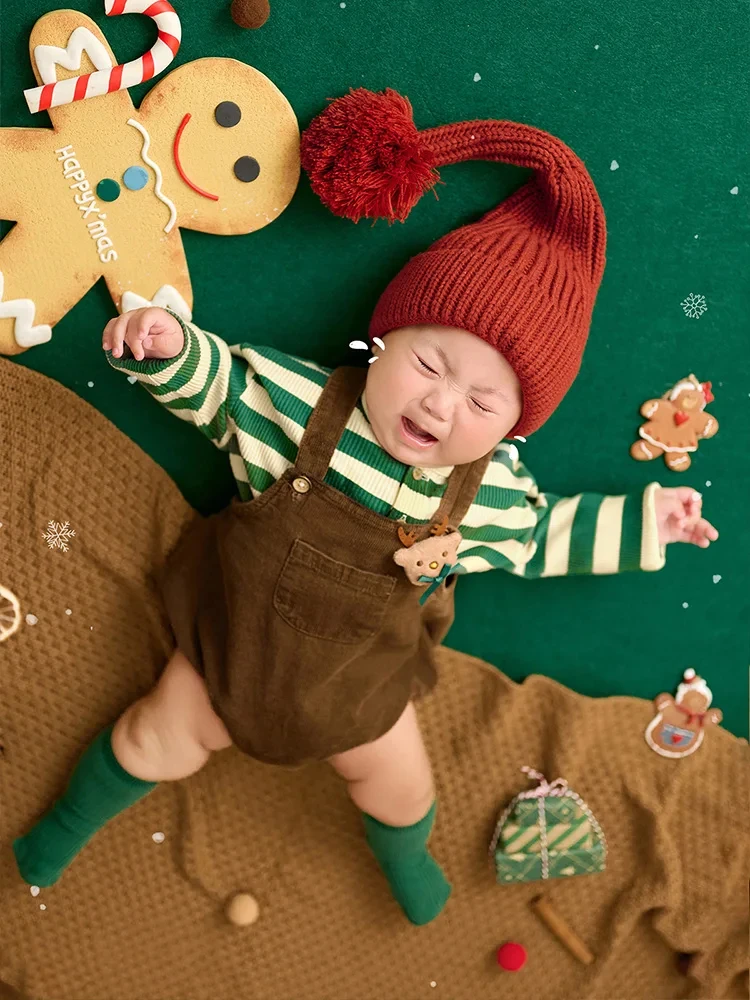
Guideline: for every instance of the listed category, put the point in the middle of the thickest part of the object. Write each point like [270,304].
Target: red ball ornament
[511,956]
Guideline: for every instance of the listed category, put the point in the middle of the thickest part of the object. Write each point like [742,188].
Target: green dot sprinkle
[108,190]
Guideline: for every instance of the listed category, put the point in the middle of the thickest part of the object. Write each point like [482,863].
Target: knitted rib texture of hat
[524,277]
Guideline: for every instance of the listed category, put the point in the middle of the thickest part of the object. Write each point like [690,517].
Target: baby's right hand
[149,333]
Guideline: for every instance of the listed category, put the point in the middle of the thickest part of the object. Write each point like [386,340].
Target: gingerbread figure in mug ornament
[675,424]
[678,727]
[213,147]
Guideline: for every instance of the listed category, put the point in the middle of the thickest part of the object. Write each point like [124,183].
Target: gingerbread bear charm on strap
[431,559]
[675,424]
[677,729]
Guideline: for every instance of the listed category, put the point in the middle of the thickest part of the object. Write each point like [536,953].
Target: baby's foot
[418,885]
[47,850]
[417,881]
[98,790]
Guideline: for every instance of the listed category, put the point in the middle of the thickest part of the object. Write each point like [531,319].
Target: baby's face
[440,396]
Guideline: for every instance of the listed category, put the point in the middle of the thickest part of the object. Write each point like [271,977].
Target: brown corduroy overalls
[310,638]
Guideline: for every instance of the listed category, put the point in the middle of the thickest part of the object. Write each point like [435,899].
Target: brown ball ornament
[250,13]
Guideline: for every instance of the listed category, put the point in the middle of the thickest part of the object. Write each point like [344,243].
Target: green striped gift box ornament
[547,832]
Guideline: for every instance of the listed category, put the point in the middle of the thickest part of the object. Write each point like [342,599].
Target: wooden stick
[547,913]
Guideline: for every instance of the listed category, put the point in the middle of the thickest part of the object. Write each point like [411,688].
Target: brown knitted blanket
[133,919]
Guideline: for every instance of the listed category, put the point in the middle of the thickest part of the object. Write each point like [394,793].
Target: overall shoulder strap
[463,484]
[328,420]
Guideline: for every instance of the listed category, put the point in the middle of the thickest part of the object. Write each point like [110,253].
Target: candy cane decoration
[105,81]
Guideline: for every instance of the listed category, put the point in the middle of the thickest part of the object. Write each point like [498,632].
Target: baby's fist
[678,517]
[149,333]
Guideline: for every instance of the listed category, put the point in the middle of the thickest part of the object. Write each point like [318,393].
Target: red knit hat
[523,278]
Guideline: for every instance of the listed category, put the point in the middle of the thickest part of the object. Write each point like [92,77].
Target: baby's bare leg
[166,735]
[390,780]
[170,732]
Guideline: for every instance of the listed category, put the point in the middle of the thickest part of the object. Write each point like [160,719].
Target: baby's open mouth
[415,431]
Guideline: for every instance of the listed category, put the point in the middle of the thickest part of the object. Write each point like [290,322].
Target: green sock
[416,879]
[99,789]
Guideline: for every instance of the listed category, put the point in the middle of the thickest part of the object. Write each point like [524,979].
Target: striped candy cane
[105,81]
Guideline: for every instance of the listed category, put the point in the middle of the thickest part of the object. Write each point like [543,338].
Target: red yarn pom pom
[365,157]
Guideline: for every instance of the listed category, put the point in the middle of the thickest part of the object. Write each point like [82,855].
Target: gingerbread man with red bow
[677,730]
[675,424]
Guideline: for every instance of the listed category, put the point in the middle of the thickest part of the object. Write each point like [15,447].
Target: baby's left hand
[678,517]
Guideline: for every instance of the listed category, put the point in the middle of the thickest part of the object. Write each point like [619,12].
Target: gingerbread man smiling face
[229,143]
[213,147]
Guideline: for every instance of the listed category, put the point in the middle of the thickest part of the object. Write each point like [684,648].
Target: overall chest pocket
[327,599]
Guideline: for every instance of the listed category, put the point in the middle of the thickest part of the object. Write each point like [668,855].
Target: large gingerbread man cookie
[213,147]
[675,424]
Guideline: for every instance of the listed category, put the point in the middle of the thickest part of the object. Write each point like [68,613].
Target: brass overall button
[301,484]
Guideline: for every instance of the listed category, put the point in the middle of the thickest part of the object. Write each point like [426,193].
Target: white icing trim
[645,450]
[156,169]
[681,387]
[709,425]
[697,684]
[165,297]
[651,411]
[669,753]
[49,57]
[22,311]
[663,446]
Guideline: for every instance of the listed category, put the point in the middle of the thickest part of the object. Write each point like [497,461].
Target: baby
[298,637]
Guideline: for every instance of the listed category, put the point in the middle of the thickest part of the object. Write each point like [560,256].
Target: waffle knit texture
[151,915]
[524,277]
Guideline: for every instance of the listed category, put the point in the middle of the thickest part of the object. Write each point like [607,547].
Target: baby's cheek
[393,387]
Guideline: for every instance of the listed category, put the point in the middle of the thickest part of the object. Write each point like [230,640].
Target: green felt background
[661,88]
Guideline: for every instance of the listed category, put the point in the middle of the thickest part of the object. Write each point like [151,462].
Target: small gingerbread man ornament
[675,424]
[431,559]
[677,728]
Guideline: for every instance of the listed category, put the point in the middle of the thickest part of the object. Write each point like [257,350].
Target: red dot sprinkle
[511,956]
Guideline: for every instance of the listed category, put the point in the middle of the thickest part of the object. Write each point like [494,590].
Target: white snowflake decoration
[57,536]
[694,306]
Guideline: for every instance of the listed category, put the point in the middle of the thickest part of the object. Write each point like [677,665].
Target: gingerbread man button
[213,147]
[677,729]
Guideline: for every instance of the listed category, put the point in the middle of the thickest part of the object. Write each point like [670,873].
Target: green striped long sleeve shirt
[254,403]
